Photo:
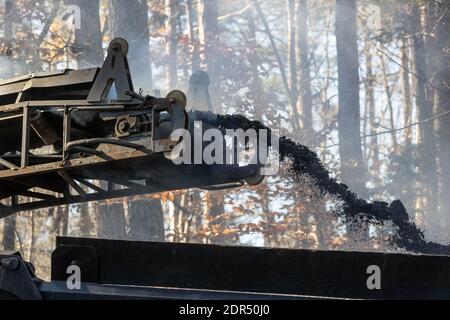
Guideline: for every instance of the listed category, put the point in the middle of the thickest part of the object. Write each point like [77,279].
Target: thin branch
[48,23]
[437,116]
[275,50]
[20,241]
[407,70]
[235,13]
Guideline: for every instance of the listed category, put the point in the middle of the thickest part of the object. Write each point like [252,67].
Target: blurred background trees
[365,83]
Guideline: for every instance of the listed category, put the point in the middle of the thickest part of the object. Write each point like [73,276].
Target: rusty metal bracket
[115,70]
[8,164]
[72,183]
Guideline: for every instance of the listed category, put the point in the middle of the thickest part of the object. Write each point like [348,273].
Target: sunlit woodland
[364,83]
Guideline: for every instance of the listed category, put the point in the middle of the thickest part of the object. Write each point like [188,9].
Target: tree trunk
[86,217]
[194,42]
[258,91]
[292,57]
[129,19]
[209,38]
[284,77]
[388,92]
[424,106]
[443,105]
[32,237]
[370,106]
[113,221]
[173,42]
[352,166]
[9,233]
[146,220]
[406,91]
[88,39]
[65,220]
[350,148]
[305,70]
[9,8]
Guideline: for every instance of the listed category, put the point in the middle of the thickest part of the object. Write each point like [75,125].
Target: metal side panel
[57,290]
[263,270]
[48,80]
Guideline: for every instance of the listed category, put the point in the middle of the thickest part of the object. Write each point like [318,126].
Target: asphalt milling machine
[76,136]
[62,134]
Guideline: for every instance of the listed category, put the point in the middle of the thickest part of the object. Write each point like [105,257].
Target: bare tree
[292,57]
[129,19]
[146,224]
[352,166]
[284,75]
[208,26]
[173,23]
[88,38]
[424,110]
[406,85]
[191,16]
[443,105]
[370,108]
[306,102]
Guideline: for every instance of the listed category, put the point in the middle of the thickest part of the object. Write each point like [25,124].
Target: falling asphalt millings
[303,161]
